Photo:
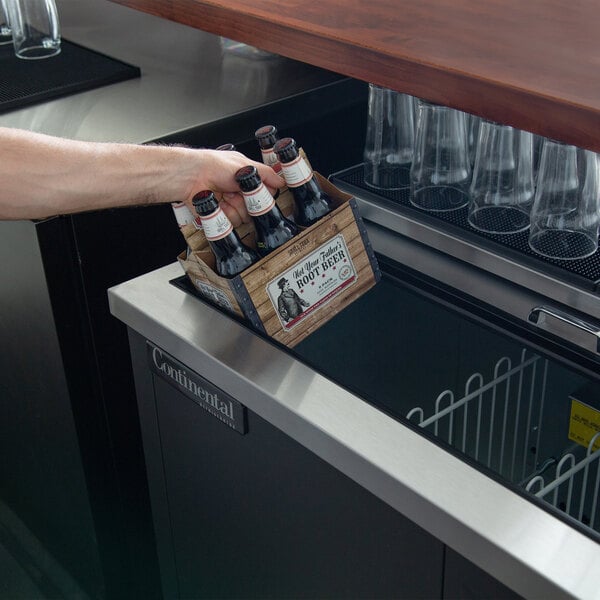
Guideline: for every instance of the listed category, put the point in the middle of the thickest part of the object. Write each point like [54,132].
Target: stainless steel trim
[523,546]
[538,313]
[511,299]
[472,254]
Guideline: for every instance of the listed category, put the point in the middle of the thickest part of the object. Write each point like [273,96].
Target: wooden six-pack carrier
[301,285]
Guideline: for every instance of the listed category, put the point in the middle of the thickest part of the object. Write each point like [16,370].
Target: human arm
[42,175]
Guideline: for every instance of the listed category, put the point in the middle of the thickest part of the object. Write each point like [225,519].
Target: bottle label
[270,158]
[297,172]
[259,201]
[312,282]
[185,216]
[216,225]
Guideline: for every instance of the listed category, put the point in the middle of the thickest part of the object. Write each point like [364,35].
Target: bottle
[189,225]
[312,202]
[266,137]
[272,228]
[232,255]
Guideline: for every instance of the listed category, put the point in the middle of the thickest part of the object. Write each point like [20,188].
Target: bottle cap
[266,136]
[205,202]
[248,178]
[286,149]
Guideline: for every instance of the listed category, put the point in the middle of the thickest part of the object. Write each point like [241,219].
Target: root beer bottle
[312,202]
[272,228]
[232,255]
[189,225]
[266,137]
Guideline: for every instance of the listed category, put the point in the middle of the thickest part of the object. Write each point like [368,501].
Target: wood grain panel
[533,64]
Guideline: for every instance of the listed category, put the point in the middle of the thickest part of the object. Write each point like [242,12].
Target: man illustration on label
[289,303]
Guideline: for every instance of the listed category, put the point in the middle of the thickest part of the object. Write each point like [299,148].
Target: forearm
[43,176]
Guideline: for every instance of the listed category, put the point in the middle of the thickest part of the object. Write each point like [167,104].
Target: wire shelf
[573,487]
[499,424]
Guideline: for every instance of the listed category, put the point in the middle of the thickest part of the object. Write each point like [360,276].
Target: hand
[217,173]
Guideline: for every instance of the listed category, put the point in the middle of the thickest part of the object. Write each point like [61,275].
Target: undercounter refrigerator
[437,438]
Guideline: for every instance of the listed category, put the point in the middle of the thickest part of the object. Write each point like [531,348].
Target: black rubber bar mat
[75,69]
[584,272]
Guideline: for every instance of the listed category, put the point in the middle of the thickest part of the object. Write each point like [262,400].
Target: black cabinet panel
[260,516]
[464,581]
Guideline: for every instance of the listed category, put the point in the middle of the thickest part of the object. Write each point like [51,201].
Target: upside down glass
[35,28]
[5,32]
[502,188]
[441,170]
[389,139]
[565,213]
[473,124]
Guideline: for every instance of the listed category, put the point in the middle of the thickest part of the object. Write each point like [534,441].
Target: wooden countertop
[532,63]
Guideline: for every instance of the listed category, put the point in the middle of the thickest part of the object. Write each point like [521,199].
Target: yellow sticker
[584,423]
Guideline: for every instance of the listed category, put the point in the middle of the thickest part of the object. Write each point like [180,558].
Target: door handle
[566,318]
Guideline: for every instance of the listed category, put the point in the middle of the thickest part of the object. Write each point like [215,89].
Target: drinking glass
[441,170]
[502,188]
[389,139]
[565,213]
[473,124]
[35,28]
[5,32]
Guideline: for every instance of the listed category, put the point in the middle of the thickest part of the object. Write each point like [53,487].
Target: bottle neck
[259,201]
[216,225]
[296,172]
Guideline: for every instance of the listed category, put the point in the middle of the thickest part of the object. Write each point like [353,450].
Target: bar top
[531,64]
[187,81]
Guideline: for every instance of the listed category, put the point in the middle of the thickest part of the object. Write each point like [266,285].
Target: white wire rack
[499,424]
[573,487]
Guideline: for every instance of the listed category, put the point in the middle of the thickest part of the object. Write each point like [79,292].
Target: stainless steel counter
[526,548]
[186,81]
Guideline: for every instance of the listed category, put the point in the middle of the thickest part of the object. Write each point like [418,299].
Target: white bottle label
[259,201]
[216,225]
[270,158]
[184,215]
[296,172]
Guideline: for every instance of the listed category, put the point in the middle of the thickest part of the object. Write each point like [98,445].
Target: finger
[274,192]
[236,200]
[272,180]
[234,207]
[232,214]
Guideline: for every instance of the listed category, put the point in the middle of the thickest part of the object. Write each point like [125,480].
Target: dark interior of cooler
[481,388]
[484,393]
